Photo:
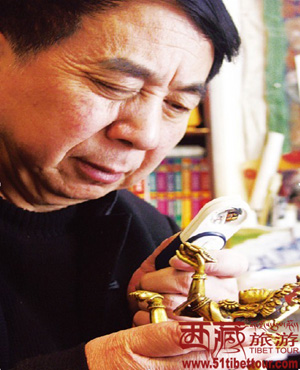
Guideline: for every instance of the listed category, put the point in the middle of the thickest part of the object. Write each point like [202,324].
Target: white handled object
[215,223]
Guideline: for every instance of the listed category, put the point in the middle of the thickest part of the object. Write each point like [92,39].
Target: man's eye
[114,91]
[176,107]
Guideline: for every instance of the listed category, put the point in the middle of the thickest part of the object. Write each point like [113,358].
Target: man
[93,96]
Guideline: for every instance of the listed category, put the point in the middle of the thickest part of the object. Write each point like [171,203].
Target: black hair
[33,25]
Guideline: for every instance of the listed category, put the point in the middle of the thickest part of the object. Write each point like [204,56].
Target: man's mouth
[97,173]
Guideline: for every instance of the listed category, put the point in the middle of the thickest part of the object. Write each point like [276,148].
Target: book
[180,186]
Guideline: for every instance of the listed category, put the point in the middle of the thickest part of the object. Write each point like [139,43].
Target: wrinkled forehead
[139,9]
[157,33]
[158,20]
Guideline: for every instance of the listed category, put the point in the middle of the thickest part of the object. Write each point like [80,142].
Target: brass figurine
[255,306]
[155,305]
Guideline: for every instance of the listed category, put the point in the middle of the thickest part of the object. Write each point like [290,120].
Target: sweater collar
[55,222]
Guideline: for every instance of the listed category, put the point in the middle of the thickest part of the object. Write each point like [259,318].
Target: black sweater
[64,274]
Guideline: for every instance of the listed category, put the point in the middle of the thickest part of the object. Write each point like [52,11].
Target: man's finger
[229,263]
[168,280]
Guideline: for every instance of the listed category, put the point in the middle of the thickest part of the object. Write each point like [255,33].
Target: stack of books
[180,185]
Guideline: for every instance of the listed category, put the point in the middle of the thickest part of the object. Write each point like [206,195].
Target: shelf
[193,131]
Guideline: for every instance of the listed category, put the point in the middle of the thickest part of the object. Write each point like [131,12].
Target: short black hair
[33,25]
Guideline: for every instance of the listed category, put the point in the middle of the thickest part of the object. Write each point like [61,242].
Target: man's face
[100,110]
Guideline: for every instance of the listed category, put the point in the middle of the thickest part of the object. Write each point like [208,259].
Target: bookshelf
[197,131]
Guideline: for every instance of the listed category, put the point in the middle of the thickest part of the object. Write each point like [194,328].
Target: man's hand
[173,282]
[157,346]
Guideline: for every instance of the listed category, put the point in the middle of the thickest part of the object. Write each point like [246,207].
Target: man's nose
[138,124]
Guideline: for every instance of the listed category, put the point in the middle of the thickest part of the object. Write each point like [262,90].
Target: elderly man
[94,94]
